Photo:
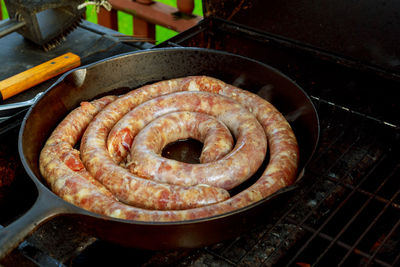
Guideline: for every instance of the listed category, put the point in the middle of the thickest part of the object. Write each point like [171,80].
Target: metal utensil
[7,110]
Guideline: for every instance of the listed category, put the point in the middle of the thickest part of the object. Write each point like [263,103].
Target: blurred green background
[125,24]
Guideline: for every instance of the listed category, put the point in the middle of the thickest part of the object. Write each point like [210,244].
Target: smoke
[266,92]
[294,115]
[239,81]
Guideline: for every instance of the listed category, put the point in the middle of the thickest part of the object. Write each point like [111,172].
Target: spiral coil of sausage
[119,172]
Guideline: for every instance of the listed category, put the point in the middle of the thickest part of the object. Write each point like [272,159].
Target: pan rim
[42,188]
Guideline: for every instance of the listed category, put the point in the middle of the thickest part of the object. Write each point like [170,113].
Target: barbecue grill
[346,210]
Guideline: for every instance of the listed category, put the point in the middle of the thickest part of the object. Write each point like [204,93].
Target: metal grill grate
[360,167]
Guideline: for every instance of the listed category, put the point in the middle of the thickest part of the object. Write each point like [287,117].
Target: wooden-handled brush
[44,22]
[38,74]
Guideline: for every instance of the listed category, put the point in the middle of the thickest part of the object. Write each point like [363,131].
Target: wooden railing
[147,14]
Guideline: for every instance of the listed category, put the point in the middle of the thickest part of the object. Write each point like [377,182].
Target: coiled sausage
[280,172]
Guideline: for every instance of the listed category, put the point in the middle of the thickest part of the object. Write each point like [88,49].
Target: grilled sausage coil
[119,172]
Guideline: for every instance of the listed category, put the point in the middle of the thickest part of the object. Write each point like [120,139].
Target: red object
[185,6]
[146,17]
[145,2]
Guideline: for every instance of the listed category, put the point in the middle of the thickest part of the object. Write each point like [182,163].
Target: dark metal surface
[339,215]
[357,214]
[131,71]
[366,31]
[348,83]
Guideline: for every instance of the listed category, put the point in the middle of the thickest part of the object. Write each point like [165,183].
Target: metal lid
[365,31]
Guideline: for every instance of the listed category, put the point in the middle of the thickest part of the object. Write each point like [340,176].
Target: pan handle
[44,208]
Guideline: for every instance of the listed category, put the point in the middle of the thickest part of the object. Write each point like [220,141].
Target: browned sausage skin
[63,170]
[227,172]
[126,186]
[284,151]
[118,143]
[215,136]
[280,172]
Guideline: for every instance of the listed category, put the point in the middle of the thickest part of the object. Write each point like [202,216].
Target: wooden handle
[33,76]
